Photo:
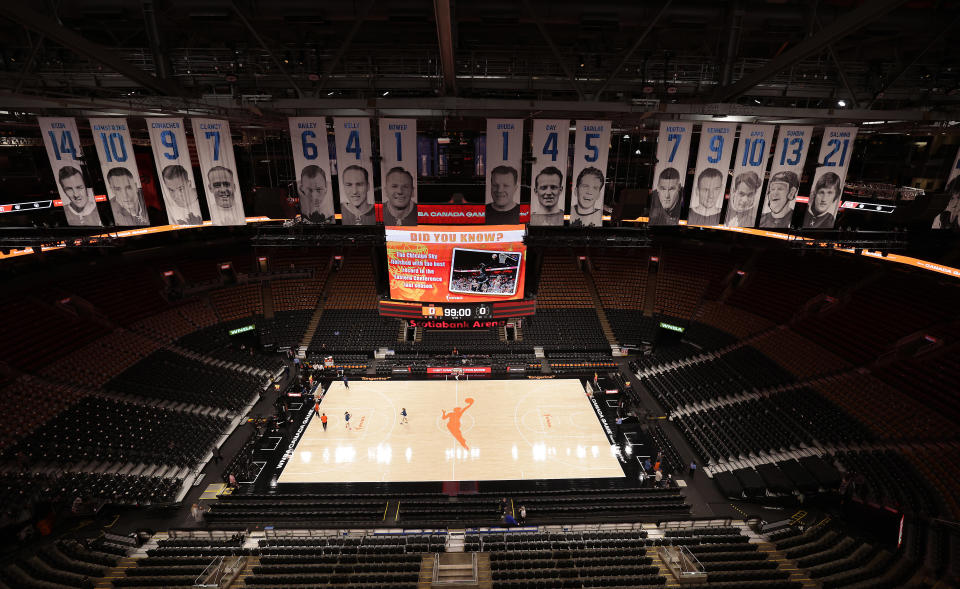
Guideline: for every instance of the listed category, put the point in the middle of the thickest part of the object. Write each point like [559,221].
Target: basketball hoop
[456,372]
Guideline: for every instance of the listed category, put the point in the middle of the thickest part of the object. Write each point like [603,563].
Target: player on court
[403,415]
[346,418]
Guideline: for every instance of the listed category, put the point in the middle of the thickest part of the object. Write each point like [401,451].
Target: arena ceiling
[258,62]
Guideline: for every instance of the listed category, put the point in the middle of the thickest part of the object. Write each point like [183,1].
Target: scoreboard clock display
[480,312]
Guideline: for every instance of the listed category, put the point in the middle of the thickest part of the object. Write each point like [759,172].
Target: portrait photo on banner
[398,171]
[548,171]
[826,193]
[218,169]
[710,177]
[749,169]
[670,172]
[503,157]
[786,171]
[62,142]
[355,170]
[111,137]
[171,155]
[311,162]
[588,175]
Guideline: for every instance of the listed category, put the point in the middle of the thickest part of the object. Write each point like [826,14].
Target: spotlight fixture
[841,103]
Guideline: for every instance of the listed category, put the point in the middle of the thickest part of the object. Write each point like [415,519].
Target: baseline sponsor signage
[789,155]
[354,170]
[748,172]
[168,140]
[673,151]
[588,178]
[62,141]
[464,369]
[111,137]
[311,163]
[503,156]
[548,172]
[219,171]
[710,177]
[836,150]
[398,171]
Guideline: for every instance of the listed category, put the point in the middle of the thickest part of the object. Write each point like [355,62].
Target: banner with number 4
[354,170]
[548,172]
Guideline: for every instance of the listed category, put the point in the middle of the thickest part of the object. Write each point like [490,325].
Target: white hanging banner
[673,152]
[355,170]
[548,172]
[168,139]
[748,171]
[949,217]
[789,155]
[504,145]
[836,151]
[398,171]
[955,170]
[311,163]
[218,169]
[111,137]
[589,174]
[710,177]
[62,140]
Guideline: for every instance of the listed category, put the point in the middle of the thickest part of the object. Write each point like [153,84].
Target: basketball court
[508,430]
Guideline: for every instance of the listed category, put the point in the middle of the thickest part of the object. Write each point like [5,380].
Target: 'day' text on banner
[588,178]
[311,163]
[111,137]
[673,151]
[62,140]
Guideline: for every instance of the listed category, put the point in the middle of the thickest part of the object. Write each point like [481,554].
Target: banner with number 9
[172,158]
[710,177]
[355,170]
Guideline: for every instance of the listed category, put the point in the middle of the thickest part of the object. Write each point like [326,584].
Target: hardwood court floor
[534,429]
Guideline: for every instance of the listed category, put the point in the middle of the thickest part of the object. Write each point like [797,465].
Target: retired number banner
[836,149]
[111,137]
[789,155]
[62,140]
[311,163]
[503,157]
[710,178]
[673,151]
[748,171]
[588,178]
[949,218]
[548,172]
[354,170]
[219,171]
[398,171]
[172,157]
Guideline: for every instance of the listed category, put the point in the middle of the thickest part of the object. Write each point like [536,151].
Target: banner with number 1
[503,156]
[398,171]
[62,140]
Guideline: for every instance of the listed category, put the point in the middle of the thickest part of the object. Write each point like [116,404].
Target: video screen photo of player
[484,271]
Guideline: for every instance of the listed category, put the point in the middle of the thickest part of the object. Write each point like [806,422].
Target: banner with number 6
[673,151]
[548,172]
[354,170]
[311,164]
[789,155]
[503,156]
[588,180]
[398,171]
[168,140]
[62,140]
[111,137]
[219,170]
[836,150]
[749,168]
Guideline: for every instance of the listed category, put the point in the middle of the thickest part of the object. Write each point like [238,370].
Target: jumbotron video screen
[456,264]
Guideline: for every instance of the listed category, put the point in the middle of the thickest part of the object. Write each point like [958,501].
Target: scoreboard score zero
[481,312]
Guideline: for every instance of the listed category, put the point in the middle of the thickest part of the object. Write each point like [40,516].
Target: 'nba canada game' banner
[548,172]
[710,177]
[836,149]
[168,140]
[454,264]
[748,171]
[218,168]
[355,170]
[111,137]
[504,154]
[398,171]
[673,151]
[588,178]
[62,140]
[311,163]
[789,155]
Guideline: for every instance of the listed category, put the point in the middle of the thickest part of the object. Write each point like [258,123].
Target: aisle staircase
[785,564]
[116,572]
[317,314]
[598,307]
[247,571]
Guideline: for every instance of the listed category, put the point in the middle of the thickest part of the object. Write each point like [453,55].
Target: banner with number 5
[172,157]
[673,151]
[354,170]
[749,168]
[62,140]
[548,173]
[503,156]
[219,170]
[111,137]
[836,150]
[398,171]
[311,164]
[589,176]
[789,155]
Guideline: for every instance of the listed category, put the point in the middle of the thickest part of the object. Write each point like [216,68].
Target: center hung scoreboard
[456,277]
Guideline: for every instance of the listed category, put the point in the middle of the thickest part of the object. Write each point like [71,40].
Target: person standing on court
[403,415]
[323,421]
[346,418]
[345,383]
[316,408]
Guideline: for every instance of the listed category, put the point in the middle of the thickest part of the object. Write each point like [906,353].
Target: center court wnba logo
[453,421]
